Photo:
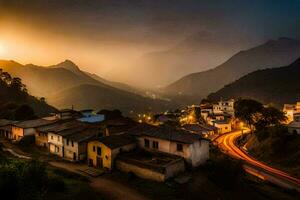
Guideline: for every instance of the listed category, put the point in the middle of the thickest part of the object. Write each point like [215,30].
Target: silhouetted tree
[247,110]
[24,112]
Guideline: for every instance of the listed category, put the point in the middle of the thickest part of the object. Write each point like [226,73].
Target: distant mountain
[199,51]
[14,95]
[273,53]
[55,83]
[277,85]
[99,97]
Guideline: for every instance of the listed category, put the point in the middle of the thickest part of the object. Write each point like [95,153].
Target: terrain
[275,86]
[274,53]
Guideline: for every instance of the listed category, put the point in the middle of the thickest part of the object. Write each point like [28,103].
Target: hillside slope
[276,85]
[12,97]
[97,97]
[273,53]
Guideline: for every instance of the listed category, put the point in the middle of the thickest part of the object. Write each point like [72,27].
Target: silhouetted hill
[55,81]
[97,97]
[276,85]
[13,94]
[273,53]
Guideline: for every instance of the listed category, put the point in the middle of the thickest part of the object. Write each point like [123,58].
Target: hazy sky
[105,36]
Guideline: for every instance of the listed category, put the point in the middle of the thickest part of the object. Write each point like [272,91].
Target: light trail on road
[227,143]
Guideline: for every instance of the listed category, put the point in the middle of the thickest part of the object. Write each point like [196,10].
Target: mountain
[273,53]
[98,97]
[65,85]
[276,85]
[13,95]
[199,51]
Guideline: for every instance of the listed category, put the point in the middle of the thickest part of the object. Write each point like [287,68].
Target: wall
[292,130]
[41,139]
[17,133]
[172,169]
[223,128]
[140,172]
[55,142]
[192,153]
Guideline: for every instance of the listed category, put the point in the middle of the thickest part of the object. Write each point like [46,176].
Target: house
[193,148]
[103,151]
[90,116]
[294,126]
[290,110]
[75,145]
[200,129]
[6,128]
[56,136]
[223,126]
[68,114]
[155,166]
[28,127]
[224,107]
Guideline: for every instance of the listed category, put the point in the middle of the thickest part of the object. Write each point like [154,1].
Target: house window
[147,143]
[72,144]
[179,147]
[94,149]
[58,138]
[155,145]
[226,127]
[39,134]
[68,142]
[99,151]
[51,137]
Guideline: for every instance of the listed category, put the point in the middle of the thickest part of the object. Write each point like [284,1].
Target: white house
[294,126]
[224,107]
[192,147]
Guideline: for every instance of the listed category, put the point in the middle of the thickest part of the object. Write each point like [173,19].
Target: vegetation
[34,180]
[16,103]
[275,146]
[275,86]
[255,114]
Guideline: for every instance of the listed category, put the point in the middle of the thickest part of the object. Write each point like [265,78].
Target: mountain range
[65,85]
[273,53]
[275,86]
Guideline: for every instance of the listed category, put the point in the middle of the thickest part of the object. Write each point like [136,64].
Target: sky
[110,37]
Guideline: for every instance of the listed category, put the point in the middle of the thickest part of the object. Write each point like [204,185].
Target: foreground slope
[276,85]
[273,53]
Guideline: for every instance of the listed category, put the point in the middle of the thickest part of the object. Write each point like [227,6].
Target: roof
[166,133]
[59,126]
[116,141]
[82,135]
[71,130]
[5,122]
[198,128]
[294,124]
[221,122]
[33,123]
[86,110]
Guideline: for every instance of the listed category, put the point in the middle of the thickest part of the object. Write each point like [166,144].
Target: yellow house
[103,151]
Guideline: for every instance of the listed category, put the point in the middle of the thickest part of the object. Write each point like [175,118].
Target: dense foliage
[16,103]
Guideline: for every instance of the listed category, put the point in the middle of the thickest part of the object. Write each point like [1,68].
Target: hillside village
[151,150]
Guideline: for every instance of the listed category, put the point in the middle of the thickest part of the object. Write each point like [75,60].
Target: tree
[6,77]
[24,112]
[247,110]
[269,116]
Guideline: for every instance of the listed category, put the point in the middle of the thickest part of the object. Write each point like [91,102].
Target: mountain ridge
[272,53]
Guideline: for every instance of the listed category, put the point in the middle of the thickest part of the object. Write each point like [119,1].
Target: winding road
[227,143]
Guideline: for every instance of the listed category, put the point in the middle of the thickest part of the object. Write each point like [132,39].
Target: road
[227,143]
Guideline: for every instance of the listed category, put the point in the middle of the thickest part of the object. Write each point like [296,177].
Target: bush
[225,171]
[56,184]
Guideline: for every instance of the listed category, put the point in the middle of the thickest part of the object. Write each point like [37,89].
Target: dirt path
[109,188]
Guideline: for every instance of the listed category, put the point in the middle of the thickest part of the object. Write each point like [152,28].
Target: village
[155,147]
